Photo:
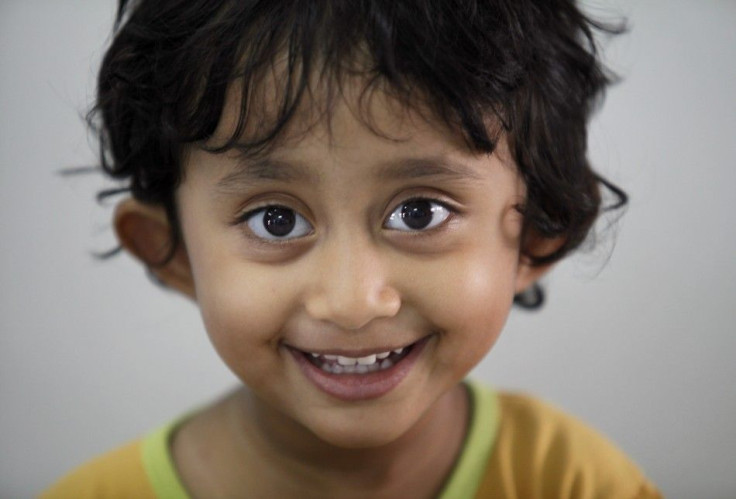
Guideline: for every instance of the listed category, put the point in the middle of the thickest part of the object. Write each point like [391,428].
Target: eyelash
[437,205]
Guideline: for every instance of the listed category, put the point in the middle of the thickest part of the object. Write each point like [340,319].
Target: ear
[144,231]
[528,273]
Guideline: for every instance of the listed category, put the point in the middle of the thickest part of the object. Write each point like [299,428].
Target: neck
[421,458]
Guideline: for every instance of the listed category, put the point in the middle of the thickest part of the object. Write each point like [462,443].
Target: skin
[352,283]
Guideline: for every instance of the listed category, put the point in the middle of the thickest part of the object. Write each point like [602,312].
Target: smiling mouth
[363,377]
[340,364]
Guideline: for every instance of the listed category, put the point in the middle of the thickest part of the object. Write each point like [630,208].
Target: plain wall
[638,341]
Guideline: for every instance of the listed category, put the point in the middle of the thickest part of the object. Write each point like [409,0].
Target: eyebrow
[427,167]
[249,172]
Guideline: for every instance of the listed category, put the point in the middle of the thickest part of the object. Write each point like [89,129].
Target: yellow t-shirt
[516,446]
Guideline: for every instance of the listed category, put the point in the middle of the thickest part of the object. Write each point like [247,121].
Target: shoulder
[542,452]
[116,474]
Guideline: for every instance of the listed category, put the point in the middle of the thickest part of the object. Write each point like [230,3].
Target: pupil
[279,221]
[417,214]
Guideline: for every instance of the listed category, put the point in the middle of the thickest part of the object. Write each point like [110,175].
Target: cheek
[470,302]
[243,314]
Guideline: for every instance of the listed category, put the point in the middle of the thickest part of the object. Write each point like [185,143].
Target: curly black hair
[528,69]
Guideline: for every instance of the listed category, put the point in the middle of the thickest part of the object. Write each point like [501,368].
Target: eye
[417,214]
[277,222]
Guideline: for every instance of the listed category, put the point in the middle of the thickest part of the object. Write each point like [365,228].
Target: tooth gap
[395,357]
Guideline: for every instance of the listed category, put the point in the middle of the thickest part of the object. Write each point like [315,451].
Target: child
[353,193]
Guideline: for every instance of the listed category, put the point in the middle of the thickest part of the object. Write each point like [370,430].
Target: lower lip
[355,387]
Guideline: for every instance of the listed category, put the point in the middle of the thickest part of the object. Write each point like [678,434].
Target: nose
[351,285]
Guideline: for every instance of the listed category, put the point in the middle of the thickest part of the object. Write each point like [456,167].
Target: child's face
[307,252]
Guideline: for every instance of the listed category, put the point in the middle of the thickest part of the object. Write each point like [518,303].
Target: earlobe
[528,272]
[144,232]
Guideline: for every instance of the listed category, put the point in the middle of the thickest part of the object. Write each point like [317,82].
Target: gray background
[639,342]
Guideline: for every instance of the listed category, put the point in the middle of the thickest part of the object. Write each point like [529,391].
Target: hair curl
[530,65]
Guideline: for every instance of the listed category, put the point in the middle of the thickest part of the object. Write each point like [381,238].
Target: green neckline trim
[479,440]
[159,463]
[463,482]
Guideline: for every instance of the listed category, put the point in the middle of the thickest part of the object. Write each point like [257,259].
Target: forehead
[286,99]
[403,141]
[329,110]
[352,121]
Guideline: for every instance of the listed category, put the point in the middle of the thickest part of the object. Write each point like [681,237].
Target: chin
[361,432]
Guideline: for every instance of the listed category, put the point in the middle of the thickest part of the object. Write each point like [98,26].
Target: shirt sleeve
[541,452]
[116,475]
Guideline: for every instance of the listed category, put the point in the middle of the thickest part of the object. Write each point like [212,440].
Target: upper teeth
[363,361]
